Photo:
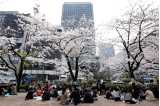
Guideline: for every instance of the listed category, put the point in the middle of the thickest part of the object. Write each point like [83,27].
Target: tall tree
[73,45]
[137,24]
[11,54]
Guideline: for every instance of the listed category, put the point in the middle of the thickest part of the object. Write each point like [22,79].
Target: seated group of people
[44,92]
[9,90]
[65,95]
[129,96]
[78,95]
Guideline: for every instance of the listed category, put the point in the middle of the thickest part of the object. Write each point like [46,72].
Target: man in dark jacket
[75,95]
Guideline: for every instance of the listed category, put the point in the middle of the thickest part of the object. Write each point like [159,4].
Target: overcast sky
[104,11]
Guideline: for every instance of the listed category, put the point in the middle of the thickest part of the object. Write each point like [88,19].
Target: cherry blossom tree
[136,30]
[11,55]
[74,45]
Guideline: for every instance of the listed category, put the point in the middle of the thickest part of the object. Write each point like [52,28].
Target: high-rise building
[79,14]
[3,14]
[105,52]
[9,26]
[7,19]
[74,12]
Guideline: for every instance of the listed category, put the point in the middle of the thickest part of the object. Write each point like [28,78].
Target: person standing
[75,95]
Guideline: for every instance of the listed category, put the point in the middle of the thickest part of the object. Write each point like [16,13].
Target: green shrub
[121,87]
[24,86]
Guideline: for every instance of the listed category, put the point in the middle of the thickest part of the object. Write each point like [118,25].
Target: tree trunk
[131,74]
[18,84]
[20,73]
[70,68]
[76,68]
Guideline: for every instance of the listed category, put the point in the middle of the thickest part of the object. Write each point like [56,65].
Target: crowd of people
[77,94]
[65,94]
[8,90]
[131,96]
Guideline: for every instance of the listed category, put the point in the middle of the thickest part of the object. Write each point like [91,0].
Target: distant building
[9,26]
[4,14]
[106,50]
[73,12]
[7,18]
[79,14]
[10,29]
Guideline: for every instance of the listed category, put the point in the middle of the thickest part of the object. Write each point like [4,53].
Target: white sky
[53,8]
[104,11]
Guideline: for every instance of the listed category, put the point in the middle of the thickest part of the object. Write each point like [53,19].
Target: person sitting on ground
[149,95]
[116,95]
[63,97]
[39,91]
[88,96]
[54,92]
[30,93]
[129,98]
[102,89]
[135,91]
[59,95]
[67,95]
[2,92]
[75,96]
[141,95]
[5,91]
[122,95]
[13,88]
[46,95]
[46,86]
[108,93]
[94,94]
[9,90]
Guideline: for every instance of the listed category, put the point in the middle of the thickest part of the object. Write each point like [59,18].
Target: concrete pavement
[19,101]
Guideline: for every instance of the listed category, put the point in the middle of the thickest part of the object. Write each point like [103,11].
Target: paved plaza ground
[19,101]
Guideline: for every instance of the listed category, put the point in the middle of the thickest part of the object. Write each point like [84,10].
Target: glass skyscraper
[74,11]
[79,14]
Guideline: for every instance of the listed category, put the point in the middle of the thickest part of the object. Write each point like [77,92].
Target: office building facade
[74,12]
[106,51]
[77,15]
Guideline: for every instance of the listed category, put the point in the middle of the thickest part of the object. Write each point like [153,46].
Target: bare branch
[9,57]
[6,63]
